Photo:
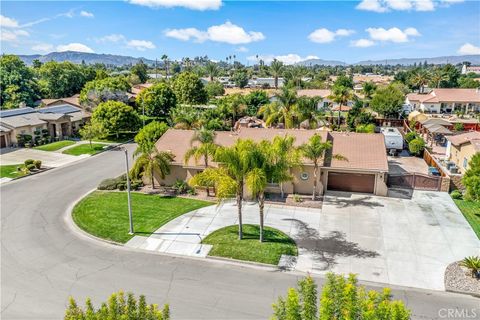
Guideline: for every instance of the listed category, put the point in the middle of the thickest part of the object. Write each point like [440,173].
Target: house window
[465,163]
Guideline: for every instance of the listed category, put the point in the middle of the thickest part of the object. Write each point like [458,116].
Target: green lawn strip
[105,214]
[54,146]
[10,171]
[471,212]
[226,244]
[85,149]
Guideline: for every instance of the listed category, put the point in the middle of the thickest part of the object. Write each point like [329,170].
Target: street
[43,262]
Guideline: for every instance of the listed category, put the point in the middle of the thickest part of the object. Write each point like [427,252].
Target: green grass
[226,244]
[54,146]
[10,171]
[471,211]
[105,214]
[85,149]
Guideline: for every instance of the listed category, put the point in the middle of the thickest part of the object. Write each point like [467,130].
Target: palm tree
[437,77]
[282,156]
[151,161]
[185,118]
[205,149]
[420,78]
[341,95]
[307,109]
[368,89]
[256,182]
[212,70]
[284,110]
[295,75]
[276,68]
[165,63]
[315,151]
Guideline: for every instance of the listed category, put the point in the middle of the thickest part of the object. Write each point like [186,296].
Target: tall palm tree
[315,151]
[151,161]
[212,70]
[276,69]
[165,63]
[206,148]
[437,77]
[307,109]
[256,182]
[341,95]
[284,110]
[185,118]
[282,157]
[420,78]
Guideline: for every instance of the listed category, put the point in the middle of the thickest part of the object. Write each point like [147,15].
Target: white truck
[393,139]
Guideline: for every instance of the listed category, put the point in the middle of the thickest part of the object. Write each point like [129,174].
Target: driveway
[49,159]
[406,164]
[407,242]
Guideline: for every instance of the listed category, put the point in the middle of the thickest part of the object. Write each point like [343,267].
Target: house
[326,101]
[445,101]
[365,169]
[468,69]
[73,101]
[461,148]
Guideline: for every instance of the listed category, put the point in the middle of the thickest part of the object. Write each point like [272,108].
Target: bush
[30,167]
[135,185]
[38,164]
[410,136]
[416,146]
[456,194]
[180,186]
[29,161]
[473,264]
[471,179]
[119,182]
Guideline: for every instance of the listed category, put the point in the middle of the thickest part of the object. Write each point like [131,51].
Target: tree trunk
[276,82]
[261,205]
[239,208]
[205,158]
[315,167]
[152,178]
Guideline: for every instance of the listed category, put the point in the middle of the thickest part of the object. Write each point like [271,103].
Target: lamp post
[130,218]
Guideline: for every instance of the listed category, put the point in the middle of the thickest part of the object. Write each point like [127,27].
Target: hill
[88,58]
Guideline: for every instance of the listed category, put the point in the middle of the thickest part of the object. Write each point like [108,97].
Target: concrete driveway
[406,164]
[49,159]
[407,242]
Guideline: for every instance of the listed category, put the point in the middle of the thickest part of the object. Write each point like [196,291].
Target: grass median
[10,171]
[105,214]
[54,146]
[226,244]
[85,148]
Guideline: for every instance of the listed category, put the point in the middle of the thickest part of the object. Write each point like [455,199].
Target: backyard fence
[415,181]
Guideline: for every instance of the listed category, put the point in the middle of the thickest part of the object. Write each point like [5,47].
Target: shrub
[410,136]
[416,146]
[38,164]
[471,179]
[473,264]
[365,128]
[456,194]
[458,127]
[135,185]
[180,186]
[108,184]
[31,166]
[29,161]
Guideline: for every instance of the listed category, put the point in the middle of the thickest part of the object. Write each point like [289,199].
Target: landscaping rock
[459,279]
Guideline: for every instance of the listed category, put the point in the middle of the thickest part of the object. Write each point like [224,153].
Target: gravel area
[459,279]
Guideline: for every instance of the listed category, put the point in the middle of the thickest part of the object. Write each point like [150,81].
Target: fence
[416,181]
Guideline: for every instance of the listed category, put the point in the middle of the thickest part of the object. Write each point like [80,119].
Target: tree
[214,89]
[315,150]
[388,101]
[141,71]
[149,135]
[240,78]
[256,182]
[212,70]
[341,298]
[97,91]
[344,81]
[91,131]
[341,94]
[60,79]
[471,178]
[416,146]
[276,69]
[283,110]
[368,89]
[157,100]
[189,89]
[206,147]
[468,83]
[117,307]
[150,162]
[420,78]
[116,117]
[437,77]
[17,83]
[254,100]
[165,64]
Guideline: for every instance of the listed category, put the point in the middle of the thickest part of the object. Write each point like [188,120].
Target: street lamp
[130,218]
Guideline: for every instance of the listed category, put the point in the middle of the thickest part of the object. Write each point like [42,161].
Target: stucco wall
[458,154]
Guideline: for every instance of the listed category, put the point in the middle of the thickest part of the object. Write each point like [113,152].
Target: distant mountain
[88,58]
[473,59]
[320,62]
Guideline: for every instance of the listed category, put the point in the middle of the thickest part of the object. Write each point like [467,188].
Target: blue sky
[290,31]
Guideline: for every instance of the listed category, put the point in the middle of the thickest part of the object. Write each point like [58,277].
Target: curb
[472,294]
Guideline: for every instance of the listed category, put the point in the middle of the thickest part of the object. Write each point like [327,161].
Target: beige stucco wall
[459,154]
[302,186]
[25,130]
[176,172]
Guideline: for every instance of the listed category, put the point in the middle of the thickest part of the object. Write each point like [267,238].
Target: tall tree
[276,69]
[283,110]
[471,179]
[420,79]
[341,95]
[60,79]
[91,131]
[437,76]
[388,101]
[150,162]
[141,71]
[189,89]
[149,135]
[17,83]
[157,100]
[116,117]
[97,91]
[256,182]
[212,70]
[165,64]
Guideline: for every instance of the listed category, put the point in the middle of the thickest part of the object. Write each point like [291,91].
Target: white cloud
[75,46]
[189,4]
[86,14]
[324,35]
[403,5]
[226,33]
[469,48]
[7,22]
[43,47]
[12,35]
[241,49]
[111,38]
[362,43]
[392,34]
[287,59]
[140,45]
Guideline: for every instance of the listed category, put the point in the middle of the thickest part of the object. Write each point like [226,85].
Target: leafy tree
[468,83]
[388,101]
[341,94]
[149,135]
[341,298]
[283,110]
[157,100]
[60,79]
[91,131]
[416,146]
[437,76]
[344,81]
[419,79]
[365,128]
[117,307]
[276,69]
[471,178]
[97,91]
[150,162]
[189,89]
[141,71]
[357,116]
[17,83]
[368,89]
[232,106]
[254,100]
[410,136]
[307,111]
[116,117]
[240,78]
[214,89]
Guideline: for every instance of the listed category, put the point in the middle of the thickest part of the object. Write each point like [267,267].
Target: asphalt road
[43,262]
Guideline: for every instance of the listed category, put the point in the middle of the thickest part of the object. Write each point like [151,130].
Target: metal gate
[415,181]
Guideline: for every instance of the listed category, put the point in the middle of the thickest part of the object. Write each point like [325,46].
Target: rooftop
[472,137]
[447,95]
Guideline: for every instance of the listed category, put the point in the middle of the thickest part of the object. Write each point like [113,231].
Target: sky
[291,31]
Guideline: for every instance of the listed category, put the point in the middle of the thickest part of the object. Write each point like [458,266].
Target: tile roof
[314,93]
[447,95]
[73,100]
[472,137]
[363,151]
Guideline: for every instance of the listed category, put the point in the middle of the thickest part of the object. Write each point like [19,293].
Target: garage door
[352,182]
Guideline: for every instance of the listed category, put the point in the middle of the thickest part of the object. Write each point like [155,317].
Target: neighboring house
[445,101]
[60,120]
[325,101]
[365,169]
[474,69]
[461,148]
[270,82]
[73,101]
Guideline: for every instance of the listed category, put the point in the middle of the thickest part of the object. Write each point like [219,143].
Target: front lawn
[105,214]
[471,211]
[85,149]
[226,244]
[10,171]
[54,146]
